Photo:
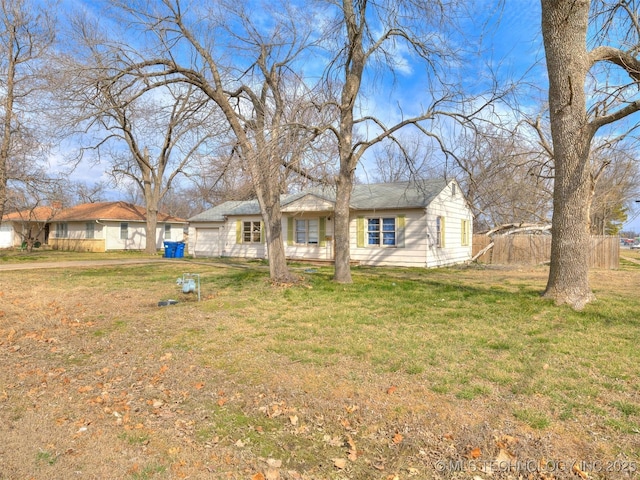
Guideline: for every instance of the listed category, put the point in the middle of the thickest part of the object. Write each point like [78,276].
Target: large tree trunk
[341,228]
[564,28]
[278,269]
[151,192]
[5,146]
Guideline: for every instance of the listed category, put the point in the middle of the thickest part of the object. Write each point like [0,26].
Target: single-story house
[426,224]
[103,226]
[18,227]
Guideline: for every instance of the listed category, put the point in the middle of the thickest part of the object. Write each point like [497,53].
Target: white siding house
[424,224]
[106,226]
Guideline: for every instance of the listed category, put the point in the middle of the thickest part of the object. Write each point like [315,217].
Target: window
[90,230]
[465,230]
[167,231]
[307,231]
[381,232]
[440,232]
[62,230]
[251,232]
[124,231]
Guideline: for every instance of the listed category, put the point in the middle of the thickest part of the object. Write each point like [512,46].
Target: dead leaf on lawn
[352,408]
[340,463]
[353,451]
[475,453]
[391,389]
[258,476]
[577,471]
[397,438]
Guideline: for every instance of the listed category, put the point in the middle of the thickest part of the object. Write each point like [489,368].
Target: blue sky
[511,45]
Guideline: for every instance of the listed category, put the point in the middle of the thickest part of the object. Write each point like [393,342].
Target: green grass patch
[533,418]
[46,457]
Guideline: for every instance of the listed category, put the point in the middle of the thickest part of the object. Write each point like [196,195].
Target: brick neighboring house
[103,226]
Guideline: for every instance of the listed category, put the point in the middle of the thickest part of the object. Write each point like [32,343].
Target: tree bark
[5,146]
[564,29]
[344,185]
[354,69]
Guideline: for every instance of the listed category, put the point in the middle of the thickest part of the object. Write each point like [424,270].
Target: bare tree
[368,35]
[568,27]
[26,34]
[407,160]
[505,178]
[161,124]
[616,188]
[88,193]
[245,68]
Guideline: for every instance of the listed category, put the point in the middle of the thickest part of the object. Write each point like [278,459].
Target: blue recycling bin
[170,249]
[179,249]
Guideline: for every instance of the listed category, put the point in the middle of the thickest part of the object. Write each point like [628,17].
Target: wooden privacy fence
[604,251]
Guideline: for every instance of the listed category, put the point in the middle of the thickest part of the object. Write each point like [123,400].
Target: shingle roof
[38,214]
[380,196]
[118,211]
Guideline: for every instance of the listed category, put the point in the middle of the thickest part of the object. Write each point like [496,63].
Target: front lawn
[448,373]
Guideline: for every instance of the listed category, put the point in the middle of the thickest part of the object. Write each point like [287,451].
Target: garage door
[6,235]
[207,242]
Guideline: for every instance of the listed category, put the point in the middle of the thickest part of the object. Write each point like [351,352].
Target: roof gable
[307,202]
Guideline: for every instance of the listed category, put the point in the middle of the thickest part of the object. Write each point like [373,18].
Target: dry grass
[384,378]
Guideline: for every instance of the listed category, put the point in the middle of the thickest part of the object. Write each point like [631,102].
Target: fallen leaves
[475,453]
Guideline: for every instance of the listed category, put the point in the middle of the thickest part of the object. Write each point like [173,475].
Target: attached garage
[207,242]
[6,235]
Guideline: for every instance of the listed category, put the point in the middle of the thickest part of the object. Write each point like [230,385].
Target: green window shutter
[262,233]
[290,231]
[400,223]
[322,231]
[360,232]
[238,231]
[443,236]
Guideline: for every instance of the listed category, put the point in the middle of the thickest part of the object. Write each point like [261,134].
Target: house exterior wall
[453,208]
[106,236]
[323,250]
[6,235]
[415,242]
[230,247]
[410,253]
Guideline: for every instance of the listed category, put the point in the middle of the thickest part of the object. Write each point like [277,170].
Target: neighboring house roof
[112,211]
[37,214]
[379,196]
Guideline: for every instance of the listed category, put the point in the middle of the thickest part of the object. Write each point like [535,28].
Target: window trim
[306,232]
[248,236]
[62,230]
[124,230]
[440,231]
[465,231]
[380,232]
